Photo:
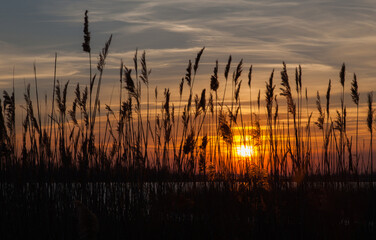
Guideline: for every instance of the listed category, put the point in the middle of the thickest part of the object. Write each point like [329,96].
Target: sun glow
[245,151]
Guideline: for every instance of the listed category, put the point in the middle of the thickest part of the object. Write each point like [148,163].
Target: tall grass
[355,97]
[370,120]
[196,137]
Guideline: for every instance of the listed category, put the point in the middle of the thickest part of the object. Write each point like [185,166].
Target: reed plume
[145,72]
[355,97]
[227,70]
[250,93]
[291,108]
[269,98]
[86,48]
[103,55]
[100,66]
[320,119]
[320,123]
[224,128]
[10,114]
[214,83]
[342,75]
[86,44]
[286,91]
[188,75]
[197,60]
[181,86]
[61,99]
[328,98]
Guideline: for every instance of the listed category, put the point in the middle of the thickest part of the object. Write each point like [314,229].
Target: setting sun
[245,151]
[213,119]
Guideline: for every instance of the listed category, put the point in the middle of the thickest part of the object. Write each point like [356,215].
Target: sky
[319,35]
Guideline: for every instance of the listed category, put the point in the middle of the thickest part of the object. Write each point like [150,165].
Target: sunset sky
[124,119]
[319,35]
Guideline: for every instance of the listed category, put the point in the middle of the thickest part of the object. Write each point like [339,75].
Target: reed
[355,97]
[291,108]
[342,121]
[269,98]
[197,138]
[370,120]
[320,124]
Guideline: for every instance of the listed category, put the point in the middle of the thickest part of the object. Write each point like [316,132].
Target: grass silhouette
[176,166]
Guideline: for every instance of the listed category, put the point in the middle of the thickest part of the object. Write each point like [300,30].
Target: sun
[245,151]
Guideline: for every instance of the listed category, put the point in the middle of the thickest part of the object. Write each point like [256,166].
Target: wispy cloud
[320,35]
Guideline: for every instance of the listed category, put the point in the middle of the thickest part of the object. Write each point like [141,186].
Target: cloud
[319,35]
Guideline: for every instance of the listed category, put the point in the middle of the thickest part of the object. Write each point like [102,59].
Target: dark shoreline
[187,211]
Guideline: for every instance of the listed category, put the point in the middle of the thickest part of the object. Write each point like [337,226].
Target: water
[134,210]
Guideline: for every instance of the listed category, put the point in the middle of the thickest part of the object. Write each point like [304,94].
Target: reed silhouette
[160,167]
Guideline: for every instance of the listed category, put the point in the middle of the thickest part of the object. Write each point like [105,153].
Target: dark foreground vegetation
[162,167]
[185,211]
